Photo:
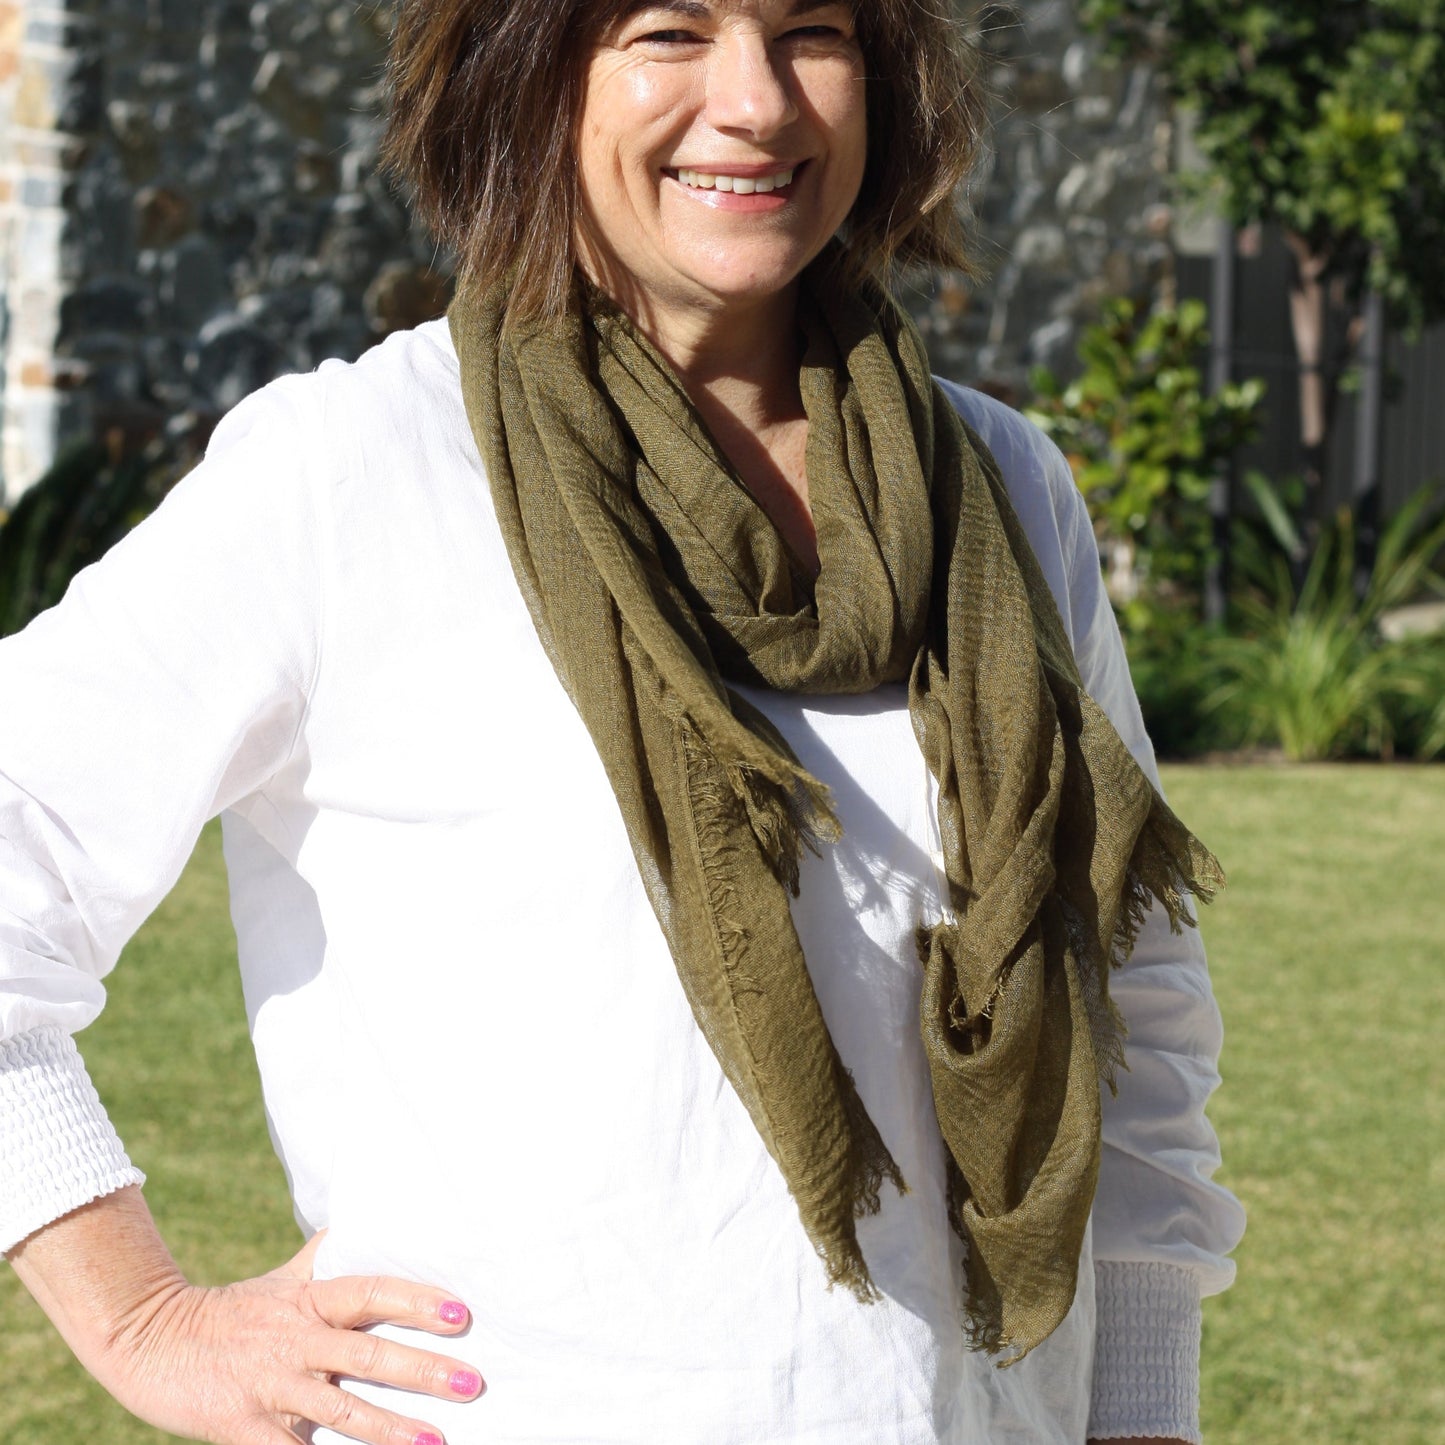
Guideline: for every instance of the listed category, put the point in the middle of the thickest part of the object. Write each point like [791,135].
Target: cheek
[630,132]
[855,98]
[837,99]
[619,100]
[645,96]
[850,140]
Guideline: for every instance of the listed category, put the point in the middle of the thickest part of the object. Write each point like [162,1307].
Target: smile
[738,185]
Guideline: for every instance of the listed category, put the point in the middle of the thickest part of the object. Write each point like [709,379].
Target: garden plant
[1328,122]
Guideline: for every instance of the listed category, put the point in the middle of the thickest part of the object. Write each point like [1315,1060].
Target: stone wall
[222,221]
[189,206]
[1070,203]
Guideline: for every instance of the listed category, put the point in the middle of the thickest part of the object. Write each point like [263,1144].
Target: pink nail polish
[453,1313]
[465,1382]
[427,1438]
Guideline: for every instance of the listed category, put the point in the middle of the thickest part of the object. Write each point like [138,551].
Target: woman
[535,661]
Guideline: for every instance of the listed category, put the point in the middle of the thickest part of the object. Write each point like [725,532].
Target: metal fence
[1410,450]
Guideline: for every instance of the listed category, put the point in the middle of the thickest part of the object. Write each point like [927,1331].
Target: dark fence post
[1221,350]
[1365,483]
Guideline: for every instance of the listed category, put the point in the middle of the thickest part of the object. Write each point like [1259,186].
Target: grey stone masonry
[1070,201]
[208,214]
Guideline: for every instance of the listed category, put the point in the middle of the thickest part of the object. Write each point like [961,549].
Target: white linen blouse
[478,1064]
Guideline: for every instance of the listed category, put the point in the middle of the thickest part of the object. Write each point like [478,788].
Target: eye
[670,37]
[817,36]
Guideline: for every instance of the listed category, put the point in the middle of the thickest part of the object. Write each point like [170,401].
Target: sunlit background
[1211,237]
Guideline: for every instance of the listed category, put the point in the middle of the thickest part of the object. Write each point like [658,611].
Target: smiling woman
[487,135]
[691,834]
[741,98]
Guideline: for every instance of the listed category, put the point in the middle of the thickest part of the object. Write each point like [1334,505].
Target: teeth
[739,185]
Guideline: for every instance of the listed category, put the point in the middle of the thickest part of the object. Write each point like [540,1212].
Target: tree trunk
[1308,315]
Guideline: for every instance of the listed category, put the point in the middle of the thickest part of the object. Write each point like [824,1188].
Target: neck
[742,355]
[739,365]
[742,360]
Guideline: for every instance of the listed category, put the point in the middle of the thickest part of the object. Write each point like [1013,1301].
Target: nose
[749,90]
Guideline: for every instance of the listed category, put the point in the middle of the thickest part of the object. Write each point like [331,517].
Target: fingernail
[466,1382]
[427,1438]
[453,1312]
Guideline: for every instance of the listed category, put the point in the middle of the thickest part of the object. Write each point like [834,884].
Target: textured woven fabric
[60,1148]
[1149,1316]
[654,579]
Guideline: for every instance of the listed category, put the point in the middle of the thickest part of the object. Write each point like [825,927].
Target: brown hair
[486,96]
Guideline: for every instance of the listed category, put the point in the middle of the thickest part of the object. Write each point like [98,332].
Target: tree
[1327,119]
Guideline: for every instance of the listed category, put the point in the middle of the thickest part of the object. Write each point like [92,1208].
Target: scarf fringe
[870,1166]
[788,810]
[1169,867]
[981,1316]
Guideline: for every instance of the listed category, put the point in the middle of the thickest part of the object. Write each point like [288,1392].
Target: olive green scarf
[654,581]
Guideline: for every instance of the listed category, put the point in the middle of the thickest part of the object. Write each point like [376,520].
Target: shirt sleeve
[1162,1227]
[170,682]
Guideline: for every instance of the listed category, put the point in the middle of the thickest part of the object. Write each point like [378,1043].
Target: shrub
[1311,669]
[1174,679]
[89,499]
[1145,442]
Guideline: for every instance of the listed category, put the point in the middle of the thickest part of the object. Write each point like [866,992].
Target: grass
[1326,956]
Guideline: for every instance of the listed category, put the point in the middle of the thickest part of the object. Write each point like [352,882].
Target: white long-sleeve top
[479,1067]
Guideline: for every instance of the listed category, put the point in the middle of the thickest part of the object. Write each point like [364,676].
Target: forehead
[703,9]
[607,17]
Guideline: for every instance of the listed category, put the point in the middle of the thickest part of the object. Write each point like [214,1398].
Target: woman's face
[722,144]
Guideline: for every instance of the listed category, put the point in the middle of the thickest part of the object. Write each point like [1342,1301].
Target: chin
[744,278]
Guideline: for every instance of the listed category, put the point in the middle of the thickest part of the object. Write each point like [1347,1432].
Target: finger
[357,1419]
[384,1362]
[355,1301]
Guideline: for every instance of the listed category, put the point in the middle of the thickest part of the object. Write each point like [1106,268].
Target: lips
[737,180]
[739,185]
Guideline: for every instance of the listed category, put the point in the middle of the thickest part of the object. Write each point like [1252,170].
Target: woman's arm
[171,682]
[242,1364]
[1162,1228]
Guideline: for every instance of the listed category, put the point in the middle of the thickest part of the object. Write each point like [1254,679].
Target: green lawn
[1326,951]
[1326,961]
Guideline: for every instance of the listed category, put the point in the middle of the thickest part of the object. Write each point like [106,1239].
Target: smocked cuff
[58,1148]
[1146,1352]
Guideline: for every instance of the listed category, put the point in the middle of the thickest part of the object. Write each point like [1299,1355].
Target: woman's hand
[245,1364]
